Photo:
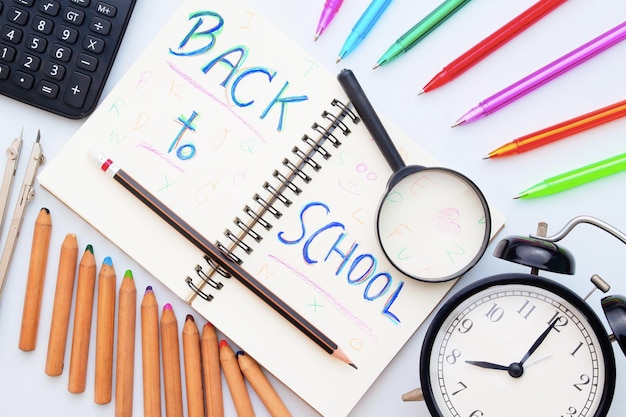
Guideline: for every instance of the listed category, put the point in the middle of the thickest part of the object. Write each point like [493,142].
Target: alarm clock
[519,344]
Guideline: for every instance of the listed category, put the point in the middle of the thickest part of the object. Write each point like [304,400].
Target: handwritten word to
[206,27]
[357,269]
[188,150]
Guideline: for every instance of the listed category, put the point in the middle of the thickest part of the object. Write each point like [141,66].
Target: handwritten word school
[358,269]
[206,27]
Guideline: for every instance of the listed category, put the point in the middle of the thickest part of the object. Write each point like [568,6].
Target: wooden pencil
[170,352]
[35,281]
[235,382]
[83,312]
[193,368]
[211,372]
[262,386]
[105,327]
[151,362]
[219,258]
[125,364]
[62,306]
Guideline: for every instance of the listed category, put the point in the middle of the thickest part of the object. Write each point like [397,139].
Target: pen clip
[13,155]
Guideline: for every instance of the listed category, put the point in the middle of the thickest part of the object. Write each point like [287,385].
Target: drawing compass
[27,192]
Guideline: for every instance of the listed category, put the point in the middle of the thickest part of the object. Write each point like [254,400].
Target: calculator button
[106,9]
[54,70]
[18,16]
[49,7]
[87,62]
[4,72]
[30,62]
[60,52]
[83,3]
[43,25]
[77,89]
[93,44]
[23,79]
[74,16]
[25,2]
[48,89]
[7,53]
[67,34]
[100,25]
[36,43]
[11,34]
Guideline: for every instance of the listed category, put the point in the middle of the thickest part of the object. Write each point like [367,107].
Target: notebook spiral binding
[296,169]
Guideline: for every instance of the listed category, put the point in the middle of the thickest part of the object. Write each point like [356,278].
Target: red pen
[331,7]
[491,43]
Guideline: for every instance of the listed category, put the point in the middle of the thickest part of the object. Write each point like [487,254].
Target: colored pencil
[125,363]
[211,372]
[170,354]
[83,312]
[105,327]
[62,305]
[150,355]
[35,281]
[193,368]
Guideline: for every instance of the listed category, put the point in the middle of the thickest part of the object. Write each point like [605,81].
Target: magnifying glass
[433,223]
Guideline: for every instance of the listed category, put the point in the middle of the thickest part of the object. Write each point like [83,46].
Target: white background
[25,390]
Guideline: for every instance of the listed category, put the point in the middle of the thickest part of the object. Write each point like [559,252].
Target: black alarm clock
[519,344]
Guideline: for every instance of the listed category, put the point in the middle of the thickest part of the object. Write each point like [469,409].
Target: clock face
[517,345]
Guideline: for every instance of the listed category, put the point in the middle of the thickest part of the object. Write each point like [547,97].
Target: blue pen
[362,27]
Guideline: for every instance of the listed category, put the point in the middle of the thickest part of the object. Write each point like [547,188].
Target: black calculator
[57,54]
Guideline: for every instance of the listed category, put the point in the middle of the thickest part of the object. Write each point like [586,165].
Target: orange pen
[561,130]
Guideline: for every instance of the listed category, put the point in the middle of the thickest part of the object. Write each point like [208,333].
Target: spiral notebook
[253,143]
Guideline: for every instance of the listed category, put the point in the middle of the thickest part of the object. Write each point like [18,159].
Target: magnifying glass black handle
[366,111]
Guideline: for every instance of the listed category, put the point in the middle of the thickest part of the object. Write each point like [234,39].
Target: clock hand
[516,369]
[538,342]
[488,365]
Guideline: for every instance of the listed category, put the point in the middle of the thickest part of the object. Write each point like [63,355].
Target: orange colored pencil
[262,386]
[35,281]
[170,353]
[211,372]
[125,365]
[234,379]
[83,312]
[62,306]
[193,368]
[105,327]
[151,362]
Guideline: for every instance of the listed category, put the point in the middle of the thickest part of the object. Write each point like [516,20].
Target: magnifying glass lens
[434,224]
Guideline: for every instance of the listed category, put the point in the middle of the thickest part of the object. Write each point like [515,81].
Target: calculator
[57,54]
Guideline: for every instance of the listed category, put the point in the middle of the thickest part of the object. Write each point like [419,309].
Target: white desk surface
[25,390]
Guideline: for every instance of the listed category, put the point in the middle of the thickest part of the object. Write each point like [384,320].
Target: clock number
[573,353]
[477,413]
[560,321]
[495,313]
[526,309]
[462,385]
[584,381]
[453,356]
[465,326]
[570,412]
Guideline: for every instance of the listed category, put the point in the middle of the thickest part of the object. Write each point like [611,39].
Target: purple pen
[331,7]
[544,74]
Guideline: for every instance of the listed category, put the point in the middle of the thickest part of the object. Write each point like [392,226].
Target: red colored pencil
[492,42]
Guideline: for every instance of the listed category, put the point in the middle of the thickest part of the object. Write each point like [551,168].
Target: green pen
[420,30]
[576,177]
